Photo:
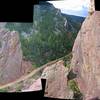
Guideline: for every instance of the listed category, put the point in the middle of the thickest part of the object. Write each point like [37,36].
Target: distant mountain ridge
[57,31]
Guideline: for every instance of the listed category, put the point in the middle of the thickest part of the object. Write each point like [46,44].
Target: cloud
[72,6]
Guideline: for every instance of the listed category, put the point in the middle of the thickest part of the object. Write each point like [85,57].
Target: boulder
[35,86]
[56,81]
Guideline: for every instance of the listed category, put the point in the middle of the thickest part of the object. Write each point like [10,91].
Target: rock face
[26,67]
[35,86]
[10,56]
[56,81]
[86,57]
[91,6]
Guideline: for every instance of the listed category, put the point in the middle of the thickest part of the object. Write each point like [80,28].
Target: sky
[72,7]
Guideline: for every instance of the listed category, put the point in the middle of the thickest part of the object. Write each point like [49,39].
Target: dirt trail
[28,79]
[36,73]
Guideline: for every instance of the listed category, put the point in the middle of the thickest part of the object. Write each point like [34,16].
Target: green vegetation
[47,39]
[42,49]
[74,87]
[20,27]
[18,88]
[67,60]
[3,90]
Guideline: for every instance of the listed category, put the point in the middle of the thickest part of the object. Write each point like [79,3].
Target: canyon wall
[86,57]
[10,56]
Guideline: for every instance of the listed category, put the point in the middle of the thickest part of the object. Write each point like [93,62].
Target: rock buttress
[56,81]
[10,56]
[86,57]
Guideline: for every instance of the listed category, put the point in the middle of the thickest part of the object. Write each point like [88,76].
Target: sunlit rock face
[91,6]
[56,81]
[10,56]
[86,57]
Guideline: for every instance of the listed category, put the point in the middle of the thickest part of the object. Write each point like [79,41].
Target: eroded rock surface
[91,7]
[86,57]
[35,86]
[56,81]
[10,56]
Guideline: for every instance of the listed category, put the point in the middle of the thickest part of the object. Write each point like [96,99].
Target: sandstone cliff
[10,56]
[56,81]
[11,64]
[86,57]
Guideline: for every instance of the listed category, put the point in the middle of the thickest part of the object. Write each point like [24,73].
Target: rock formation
[91,7]
[56,81]
[10,56]
[86,57]
[35,86]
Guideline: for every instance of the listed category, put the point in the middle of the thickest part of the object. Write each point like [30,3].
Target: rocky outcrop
[86,57]
[26,67]
[91,7]
[35,86]
[56,81]
[10,56]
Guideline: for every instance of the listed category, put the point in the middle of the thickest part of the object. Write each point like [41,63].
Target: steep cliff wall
[10,56]
[11,64]
[86,57]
